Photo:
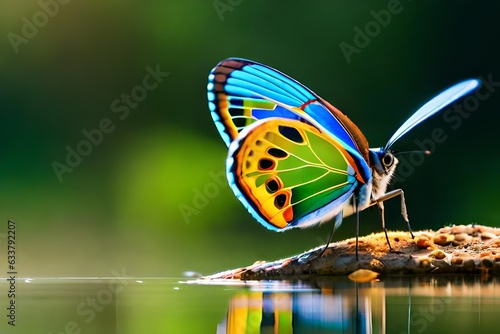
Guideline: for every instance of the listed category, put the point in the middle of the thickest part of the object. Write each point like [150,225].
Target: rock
[460,249]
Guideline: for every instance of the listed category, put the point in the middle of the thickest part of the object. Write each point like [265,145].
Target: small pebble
[445,229]
[457,229]
[481,228]
[437,254]
[443,239]
[363,275]
[191,274]
[441,264]
[426,234]
[422,242]
[487,262]
[258,263]
[457,261]
[488,235]
[286,262]
[424,262]
[485,254]
[469,265]
[462,237]
[469,230]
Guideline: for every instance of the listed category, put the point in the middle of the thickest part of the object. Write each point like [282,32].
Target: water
[179,305]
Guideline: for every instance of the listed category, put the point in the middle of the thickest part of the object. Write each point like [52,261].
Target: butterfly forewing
[241,92]
[286,171]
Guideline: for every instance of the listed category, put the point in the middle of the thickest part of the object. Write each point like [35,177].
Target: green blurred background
[121,206]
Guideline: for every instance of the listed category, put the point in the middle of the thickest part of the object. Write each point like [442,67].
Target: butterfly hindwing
[289,173]
[241,92]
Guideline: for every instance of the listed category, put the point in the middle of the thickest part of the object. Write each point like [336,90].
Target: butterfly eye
[388,160]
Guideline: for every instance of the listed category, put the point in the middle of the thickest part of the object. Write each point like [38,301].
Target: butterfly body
[294,160]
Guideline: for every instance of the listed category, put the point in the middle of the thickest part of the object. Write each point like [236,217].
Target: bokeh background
[148,197]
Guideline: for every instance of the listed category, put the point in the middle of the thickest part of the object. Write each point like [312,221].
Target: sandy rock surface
[458,249]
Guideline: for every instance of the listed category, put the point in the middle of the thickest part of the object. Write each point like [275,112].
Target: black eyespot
[280,201]
[388,160]
[276,152]
[265,164]
[291,134]
[272,186]
[258,142]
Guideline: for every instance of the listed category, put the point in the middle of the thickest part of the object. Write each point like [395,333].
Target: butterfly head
[383,164]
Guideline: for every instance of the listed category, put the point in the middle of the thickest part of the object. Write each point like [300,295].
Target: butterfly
[294,160]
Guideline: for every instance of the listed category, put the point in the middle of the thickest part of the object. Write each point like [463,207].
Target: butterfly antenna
[426,152]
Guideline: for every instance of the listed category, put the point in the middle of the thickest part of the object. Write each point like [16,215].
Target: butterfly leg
[338,222]
[382,216]
[357,226]
[405,213]
[392,194]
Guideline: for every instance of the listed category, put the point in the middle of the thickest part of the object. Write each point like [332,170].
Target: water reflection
[404,305]
[356,309]
[131,305]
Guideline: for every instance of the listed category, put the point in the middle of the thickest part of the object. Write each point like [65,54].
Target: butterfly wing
[241,92]
[288,173]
